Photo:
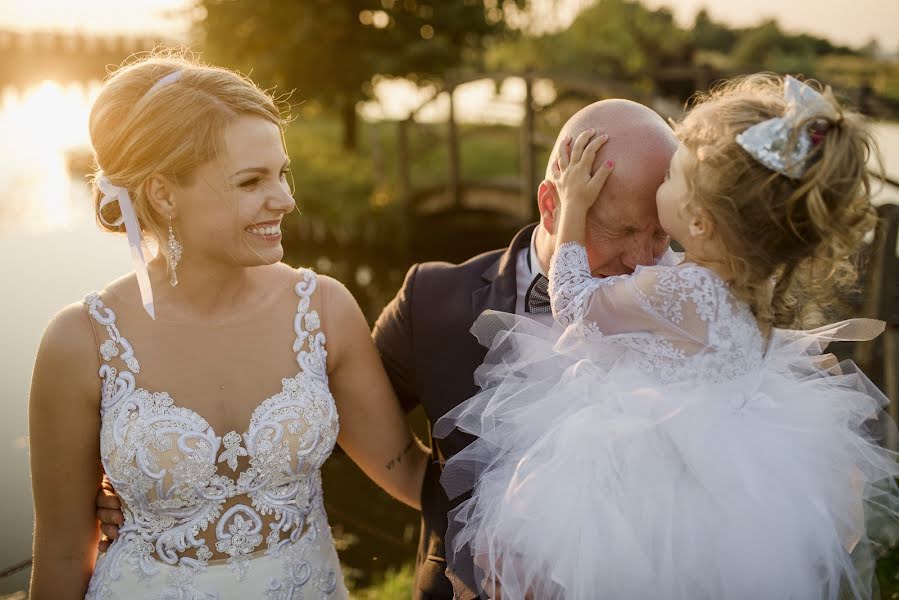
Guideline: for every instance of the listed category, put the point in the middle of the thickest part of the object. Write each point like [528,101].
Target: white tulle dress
[655,445]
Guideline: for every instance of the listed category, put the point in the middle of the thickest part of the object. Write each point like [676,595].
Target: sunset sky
[853,23]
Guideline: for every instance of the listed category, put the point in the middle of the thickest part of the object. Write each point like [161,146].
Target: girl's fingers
[599,178]
[565,153]
[579,144]
[593,147]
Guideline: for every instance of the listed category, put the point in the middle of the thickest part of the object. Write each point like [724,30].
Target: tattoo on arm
[395,462]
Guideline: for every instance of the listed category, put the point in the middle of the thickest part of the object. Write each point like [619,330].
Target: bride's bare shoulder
[68,349]
[122,287]
[330,290]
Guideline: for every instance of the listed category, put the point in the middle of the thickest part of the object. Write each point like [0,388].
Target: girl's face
[232,209]
[672,198]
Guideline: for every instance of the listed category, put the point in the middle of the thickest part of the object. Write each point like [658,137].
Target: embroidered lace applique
[571,284]
[162,460]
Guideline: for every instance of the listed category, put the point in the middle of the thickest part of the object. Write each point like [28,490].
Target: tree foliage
[621,39]
[329,50]
[709,35]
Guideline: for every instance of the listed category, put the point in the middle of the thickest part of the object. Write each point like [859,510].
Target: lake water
[51,254]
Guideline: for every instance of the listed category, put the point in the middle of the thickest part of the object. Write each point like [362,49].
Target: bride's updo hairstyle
[164,113]
[803,234]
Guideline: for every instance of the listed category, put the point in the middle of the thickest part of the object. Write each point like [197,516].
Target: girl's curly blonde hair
[790,244]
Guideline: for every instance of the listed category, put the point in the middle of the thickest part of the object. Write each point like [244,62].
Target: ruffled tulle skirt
[591,478]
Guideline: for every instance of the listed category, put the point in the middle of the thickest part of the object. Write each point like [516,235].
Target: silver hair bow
[779,143]
[114,193]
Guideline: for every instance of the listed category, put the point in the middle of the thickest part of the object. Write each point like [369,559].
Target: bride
[211,384]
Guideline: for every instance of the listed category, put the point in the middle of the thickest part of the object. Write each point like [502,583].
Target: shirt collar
[533,263]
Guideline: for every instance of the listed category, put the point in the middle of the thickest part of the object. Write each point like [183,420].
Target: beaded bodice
[166,462]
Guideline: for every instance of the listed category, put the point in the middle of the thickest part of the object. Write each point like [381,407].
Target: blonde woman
[212,383]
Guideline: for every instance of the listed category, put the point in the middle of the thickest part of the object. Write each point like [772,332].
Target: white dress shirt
[524,276]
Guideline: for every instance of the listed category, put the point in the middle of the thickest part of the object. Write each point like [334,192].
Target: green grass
[395,585]
[346,188]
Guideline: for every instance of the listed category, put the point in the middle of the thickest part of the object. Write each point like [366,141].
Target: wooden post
[528,149]
[402,161]
[880,294]
[403,182]
[453,166]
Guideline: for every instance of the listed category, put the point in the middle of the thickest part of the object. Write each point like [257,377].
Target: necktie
[536,300]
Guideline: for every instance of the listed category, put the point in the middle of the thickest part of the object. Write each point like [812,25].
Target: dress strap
[115,345]
[310,342]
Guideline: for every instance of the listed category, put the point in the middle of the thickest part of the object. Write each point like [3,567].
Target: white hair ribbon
[776,143]
[113,193]
[170,78]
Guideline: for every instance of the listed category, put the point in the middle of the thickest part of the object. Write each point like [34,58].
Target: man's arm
[109,513]
[393,338]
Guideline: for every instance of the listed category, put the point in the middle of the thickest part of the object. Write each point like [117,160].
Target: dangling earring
[174,254]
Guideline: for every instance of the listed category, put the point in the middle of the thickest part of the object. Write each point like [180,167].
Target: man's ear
[160,194]
[547,203]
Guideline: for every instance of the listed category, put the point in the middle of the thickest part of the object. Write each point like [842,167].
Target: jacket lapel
[500,290]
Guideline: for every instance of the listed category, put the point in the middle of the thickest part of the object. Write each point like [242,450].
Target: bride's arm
[64,440]
[373,428]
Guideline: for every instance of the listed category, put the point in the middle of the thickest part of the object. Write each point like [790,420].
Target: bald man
[423,334]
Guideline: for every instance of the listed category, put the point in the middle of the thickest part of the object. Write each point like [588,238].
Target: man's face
[623,229]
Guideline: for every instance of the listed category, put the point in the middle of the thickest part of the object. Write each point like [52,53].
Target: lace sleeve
[677,303]
[570,283]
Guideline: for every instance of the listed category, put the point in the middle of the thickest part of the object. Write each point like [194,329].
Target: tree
[314,46]
[756,46]
[432,37]
[329,50]
[620,39]
[708,35]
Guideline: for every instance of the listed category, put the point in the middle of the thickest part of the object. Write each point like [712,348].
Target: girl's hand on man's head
[577,187]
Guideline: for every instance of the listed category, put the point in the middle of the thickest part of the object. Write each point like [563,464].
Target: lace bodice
[166,462]
[680,322]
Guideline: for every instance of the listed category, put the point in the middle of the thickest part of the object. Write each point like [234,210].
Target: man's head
[623,228]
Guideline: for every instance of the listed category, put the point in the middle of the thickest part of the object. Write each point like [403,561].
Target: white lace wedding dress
[267,519]
[659,447]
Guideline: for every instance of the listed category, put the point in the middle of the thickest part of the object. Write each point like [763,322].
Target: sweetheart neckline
[253,414]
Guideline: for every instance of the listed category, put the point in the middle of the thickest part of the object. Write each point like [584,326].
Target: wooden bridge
[30,58]
[509,198]
[514,197]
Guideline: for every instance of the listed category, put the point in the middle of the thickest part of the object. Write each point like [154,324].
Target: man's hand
[109,512]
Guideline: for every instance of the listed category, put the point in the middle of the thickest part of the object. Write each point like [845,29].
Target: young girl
[681,440]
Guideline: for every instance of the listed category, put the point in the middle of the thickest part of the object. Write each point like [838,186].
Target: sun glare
[41,125]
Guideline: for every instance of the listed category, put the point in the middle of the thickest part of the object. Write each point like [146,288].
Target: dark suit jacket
[430,356]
